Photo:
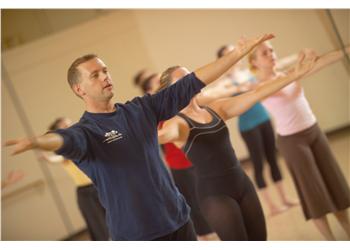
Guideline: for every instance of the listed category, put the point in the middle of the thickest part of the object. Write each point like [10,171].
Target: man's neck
[100,107]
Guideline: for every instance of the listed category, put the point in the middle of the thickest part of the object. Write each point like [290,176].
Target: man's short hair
[73,75]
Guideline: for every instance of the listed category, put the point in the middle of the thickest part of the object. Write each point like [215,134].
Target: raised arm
[327,59]
[219,89]
[286,63]
[231,107]
[50,142]
[214,70]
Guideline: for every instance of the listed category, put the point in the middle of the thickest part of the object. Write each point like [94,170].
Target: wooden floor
[291,224]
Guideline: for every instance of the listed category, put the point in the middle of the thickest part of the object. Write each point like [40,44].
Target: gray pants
[319,181]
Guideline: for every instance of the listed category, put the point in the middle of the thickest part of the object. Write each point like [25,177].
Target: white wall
[128,41]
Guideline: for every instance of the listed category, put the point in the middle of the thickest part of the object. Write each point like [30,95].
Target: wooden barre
[34,184]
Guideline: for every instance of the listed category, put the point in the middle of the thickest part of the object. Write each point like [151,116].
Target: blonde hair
[251,57]
[166,79]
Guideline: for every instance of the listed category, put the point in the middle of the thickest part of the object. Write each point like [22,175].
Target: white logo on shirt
[112,136]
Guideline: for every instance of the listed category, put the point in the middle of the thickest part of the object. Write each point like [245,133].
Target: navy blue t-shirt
[119,152]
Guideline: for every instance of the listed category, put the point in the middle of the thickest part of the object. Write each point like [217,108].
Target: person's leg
[98,216]
[252,213]
[287,201]
[224,215]
[269,144]
[312,191]
[84,206]
[93,213]
[343,219]
[333,178]
[323,226]
[185,181]
[254,143]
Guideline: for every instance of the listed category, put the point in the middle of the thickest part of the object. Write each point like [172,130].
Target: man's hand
[50,142]
[20,145]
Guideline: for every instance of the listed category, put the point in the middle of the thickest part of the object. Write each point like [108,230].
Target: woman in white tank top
[321,186]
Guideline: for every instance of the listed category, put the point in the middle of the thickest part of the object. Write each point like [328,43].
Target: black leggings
[232,208]
[185,181]
[260,141]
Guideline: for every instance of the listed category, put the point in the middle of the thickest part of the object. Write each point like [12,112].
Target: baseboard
[337,130]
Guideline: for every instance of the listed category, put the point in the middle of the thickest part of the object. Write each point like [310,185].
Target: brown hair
[54,125]
[139,77]
[221,50]
[166,79]
[146,84]
[73,75]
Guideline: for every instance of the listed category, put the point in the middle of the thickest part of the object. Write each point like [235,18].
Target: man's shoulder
[137,102]
[82,124]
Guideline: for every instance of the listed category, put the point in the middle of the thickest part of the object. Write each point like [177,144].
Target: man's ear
[78,90]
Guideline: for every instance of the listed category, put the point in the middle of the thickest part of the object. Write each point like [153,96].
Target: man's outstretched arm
[50,142]
[214,70]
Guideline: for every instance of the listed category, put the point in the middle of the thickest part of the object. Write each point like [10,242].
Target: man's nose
[103,76]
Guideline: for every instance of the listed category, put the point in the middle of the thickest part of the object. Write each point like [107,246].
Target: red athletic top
[174,157]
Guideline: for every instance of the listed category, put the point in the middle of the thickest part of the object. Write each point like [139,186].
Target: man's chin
[110,95]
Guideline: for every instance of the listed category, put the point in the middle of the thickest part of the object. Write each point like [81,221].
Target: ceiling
[20,26]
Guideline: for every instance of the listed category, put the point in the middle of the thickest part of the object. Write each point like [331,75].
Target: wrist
[347,49]
[33,143]
[294,75]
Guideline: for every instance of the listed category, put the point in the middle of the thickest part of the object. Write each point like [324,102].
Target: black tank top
[209,147]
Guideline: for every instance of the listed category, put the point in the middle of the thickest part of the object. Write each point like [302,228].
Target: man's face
[95,81]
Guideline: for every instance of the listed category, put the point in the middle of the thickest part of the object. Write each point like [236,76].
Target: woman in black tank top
[228,199]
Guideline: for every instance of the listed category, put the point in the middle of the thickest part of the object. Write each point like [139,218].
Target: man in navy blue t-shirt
[116,146]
